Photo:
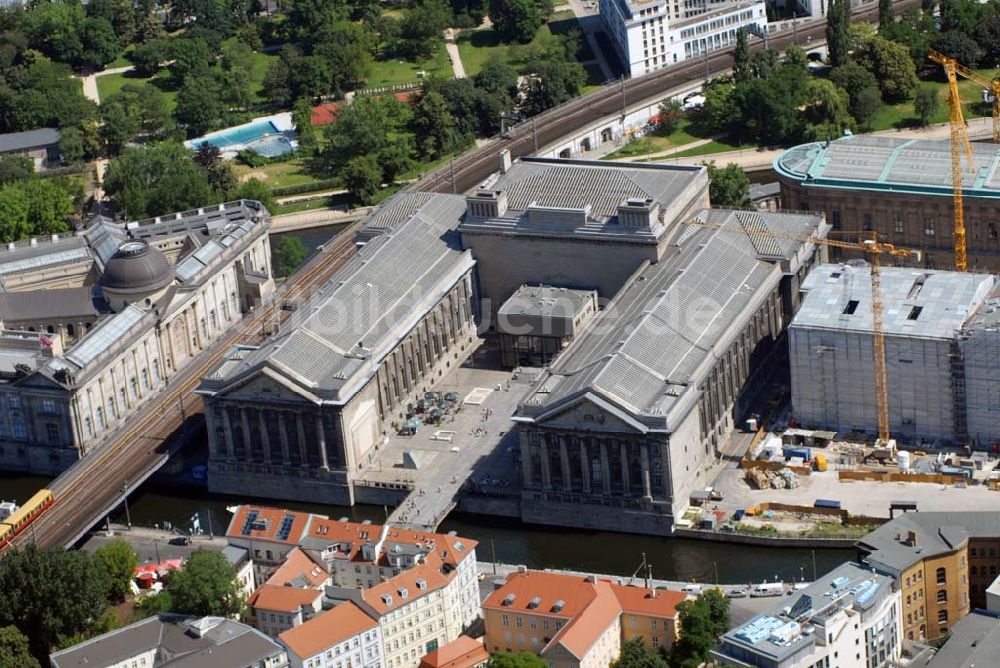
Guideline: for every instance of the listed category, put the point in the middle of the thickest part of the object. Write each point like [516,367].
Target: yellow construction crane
[959,144]
[874,250]
[991,85]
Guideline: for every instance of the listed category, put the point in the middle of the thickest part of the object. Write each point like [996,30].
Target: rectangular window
[20,429]
[14,401]
[897,223]
[851,307]
[929,227]
[52,433]
[49,406]
[867,219]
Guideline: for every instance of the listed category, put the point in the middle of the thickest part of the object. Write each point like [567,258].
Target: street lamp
[128,516]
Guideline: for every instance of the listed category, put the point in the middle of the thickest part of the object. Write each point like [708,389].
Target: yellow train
[28,513]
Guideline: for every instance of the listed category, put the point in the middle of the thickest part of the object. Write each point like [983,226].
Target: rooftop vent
[487,204]
[638,213]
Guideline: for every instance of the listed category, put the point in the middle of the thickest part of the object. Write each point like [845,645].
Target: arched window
[942,577]
[71,330]
[942,616]
[942,596]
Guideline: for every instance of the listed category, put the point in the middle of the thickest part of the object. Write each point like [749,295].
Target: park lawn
[277,174]
[714,146]
[257,68]
[122,60]
[477,46]
[110,84]
[395,71]
[656,142]
[298,207]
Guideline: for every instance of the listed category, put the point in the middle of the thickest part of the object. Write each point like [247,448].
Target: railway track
[93,485]
[471,168]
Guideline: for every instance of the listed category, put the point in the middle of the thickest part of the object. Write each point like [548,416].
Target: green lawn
[656,142]
[714,146]
[390,72]
[110,84]
[477,46]
[901,115]
[277,174]
[122,60]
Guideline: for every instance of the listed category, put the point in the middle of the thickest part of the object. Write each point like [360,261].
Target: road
[94,485]
[470,169]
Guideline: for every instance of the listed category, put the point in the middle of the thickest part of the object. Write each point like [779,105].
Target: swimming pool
[265,136]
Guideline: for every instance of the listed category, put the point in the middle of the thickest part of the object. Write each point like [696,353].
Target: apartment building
[341,638]
[573,621]
[849,618]
[942,562]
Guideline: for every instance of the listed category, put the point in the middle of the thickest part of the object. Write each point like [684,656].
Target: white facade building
[650,35]
[344,637]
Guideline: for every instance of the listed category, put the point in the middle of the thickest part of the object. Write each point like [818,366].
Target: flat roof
[916,302]
[645,353]
[972,641]
[546,301]
[881,163]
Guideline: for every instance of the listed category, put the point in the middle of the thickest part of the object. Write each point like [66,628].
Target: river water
[509,540]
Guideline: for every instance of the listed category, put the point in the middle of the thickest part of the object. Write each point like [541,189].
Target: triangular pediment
[267,385]
[590,412]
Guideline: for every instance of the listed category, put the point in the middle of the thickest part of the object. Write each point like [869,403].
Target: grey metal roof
[45,254]
[916,302]
[890,164]
[937,533]
[544,300]
[222,643]
[23,141]
[972,641]
[108,333]
[647,351]
[336,341]
[56,304]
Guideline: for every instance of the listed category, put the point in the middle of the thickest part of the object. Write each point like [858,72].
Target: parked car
[180,540]
[736,593]
[738,515]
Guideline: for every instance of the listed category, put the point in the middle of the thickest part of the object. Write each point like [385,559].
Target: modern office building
[940,353]
[849,618]
[92,326]
[900,188]
[651,34]
[943,563]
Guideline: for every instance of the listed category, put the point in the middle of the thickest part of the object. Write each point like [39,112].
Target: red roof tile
[267,524]
[326,630]
[463,652]
[298,564]
[284,599]
[648,602]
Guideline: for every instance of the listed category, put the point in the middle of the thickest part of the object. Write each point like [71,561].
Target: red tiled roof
[463,652]
[326,630]
[576,593]
[267,524]
[648,602]
[583,630]
[284,599]
[297,564]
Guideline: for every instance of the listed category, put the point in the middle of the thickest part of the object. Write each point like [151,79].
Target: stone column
[623,453]
[264,439]
[605,469]
[584,466]
[525,463]
[213,444]
[302,439]
[170,344]
[245,424]
[546,473]
[283,432]
[321,442]
[227,427]
[564,461]
[647,489]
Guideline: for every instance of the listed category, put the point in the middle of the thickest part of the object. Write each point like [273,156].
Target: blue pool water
[263,137]
[244,135]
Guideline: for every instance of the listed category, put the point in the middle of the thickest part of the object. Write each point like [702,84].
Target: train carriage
[19,520]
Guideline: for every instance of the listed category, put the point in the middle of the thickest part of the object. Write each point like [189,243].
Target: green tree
[853,78]
[346,49]
[311,77]
[837,31]
[71,146]
[728,186]
[434,126]
[826,109]
[498,79]
[515,20]
[14,649]
[703,619]
[277,84]
[960,46]
[206,585]
[100,43]
[885,13]
[926,104]
[914,30]
[149,56]
[255,189]
[191,57]
[288,254]
[199,106]
[58,593]
[54,29]
[305,131]
[373,127]
[892,66]
[32,207]
[422,28]
[15,168]
[635,654]
[553,84]
[121,14]
[117,126]
[988,37]
[795,56]
[155,179]
[118,560]
[718,111]
[742,71]
[671,112]
[362,177]
[866,105]
[519,660]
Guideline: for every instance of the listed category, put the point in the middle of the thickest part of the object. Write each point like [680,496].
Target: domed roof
[137,267]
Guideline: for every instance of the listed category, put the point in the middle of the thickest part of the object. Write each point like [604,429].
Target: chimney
[638,213]
[487,204]
[911,538]
[504,161]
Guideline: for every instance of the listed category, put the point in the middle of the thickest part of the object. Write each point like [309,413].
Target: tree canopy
[635,654]
[518,660]
[118,560]
[14,649]
[157,178]
[728,186]
[703,620]
[288,253]
[206,585]
[33,207]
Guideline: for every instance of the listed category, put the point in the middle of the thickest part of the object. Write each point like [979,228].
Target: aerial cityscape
[507,334]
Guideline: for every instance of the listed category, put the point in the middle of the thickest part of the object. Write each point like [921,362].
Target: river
[512,541]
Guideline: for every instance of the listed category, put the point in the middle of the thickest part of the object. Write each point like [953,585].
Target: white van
[768,589]
[693,589]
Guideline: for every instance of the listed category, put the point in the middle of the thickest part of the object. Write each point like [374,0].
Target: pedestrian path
[90,90]
[454,56]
